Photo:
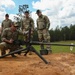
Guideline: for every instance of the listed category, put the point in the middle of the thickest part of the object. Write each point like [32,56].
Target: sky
[60,12]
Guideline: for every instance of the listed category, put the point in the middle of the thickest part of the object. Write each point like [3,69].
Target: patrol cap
[27,12]
[7,15]
[15,24]
[38,11]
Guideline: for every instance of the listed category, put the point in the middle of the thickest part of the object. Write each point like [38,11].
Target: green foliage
[63,34]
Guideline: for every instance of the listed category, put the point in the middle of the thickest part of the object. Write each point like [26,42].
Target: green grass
[60,49]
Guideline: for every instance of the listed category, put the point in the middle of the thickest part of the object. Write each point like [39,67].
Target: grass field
[60,49]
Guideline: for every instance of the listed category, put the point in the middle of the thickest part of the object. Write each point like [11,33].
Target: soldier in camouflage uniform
[9,35]
[27,22]
[6,23]
[43,25]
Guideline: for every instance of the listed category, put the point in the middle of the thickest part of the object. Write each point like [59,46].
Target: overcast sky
[60,12]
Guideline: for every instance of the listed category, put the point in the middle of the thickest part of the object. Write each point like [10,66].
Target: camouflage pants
[26,37]
[4,46]
[44,35]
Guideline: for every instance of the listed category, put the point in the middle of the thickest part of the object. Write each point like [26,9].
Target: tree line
[59,33]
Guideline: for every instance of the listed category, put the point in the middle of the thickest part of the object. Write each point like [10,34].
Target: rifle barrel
[55,44]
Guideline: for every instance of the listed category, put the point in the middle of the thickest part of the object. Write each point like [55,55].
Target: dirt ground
[59,64]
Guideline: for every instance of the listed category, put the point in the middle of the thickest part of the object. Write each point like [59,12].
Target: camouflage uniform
[26,22]
[6,24]
[43,24]
[8,34]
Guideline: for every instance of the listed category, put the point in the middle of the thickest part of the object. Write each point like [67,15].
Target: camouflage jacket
[6,23]
[8,34]
[26,22]
[43,22]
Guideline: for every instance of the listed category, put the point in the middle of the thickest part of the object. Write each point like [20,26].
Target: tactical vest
[41,24]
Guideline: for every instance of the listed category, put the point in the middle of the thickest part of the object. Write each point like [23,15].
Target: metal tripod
[27,49]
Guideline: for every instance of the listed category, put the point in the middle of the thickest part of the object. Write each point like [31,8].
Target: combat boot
[49,51]
[3,52]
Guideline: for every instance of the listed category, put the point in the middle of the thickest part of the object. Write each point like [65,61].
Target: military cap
[27,12]
[38,11]
[15,24]
[7,15]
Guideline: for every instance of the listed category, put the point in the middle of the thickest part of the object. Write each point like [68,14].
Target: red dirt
[60,64]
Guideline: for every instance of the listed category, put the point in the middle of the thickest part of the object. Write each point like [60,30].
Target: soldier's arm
[4,35]
[37,23]
[32,24]
[2,27]
[47,22]
[22,27]
[0,30]
[10,23]
[2,24]
[22,32]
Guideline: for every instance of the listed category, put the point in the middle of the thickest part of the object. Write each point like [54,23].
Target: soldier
[43,25]
[6,23]
[27,22]
[9,35]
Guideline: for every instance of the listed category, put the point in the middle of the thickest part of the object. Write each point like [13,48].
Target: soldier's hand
[31,32]
[25,32]
[11,41]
